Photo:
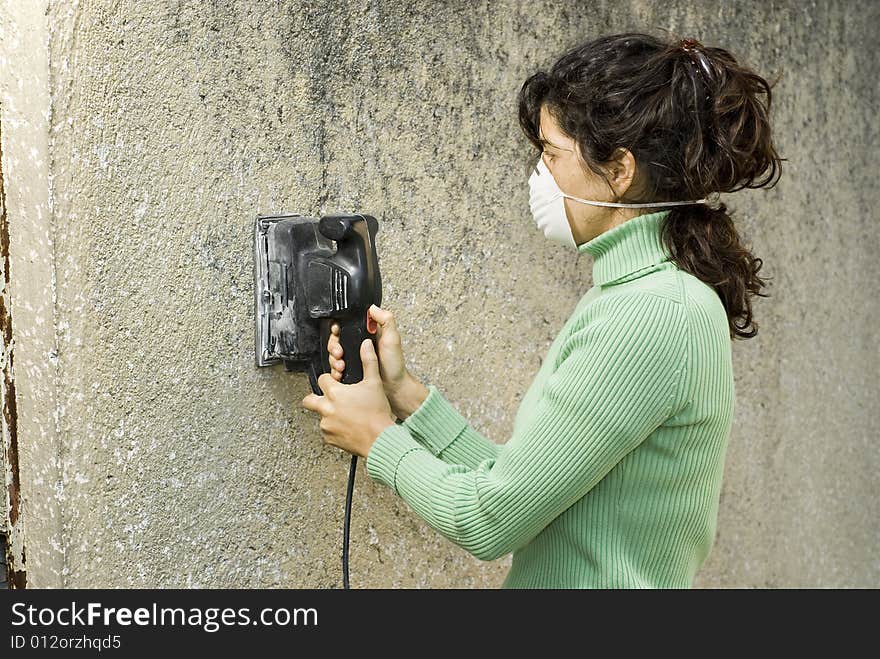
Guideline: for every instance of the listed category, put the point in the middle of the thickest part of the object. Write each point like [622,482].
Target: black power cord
[347,521]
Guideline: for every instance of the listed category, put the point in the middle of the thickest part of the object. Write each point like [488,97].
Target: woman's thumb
[369,360]
[380,315]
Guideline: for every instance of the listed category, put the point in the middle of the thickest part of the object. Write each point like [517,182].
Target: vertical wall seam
[53,270]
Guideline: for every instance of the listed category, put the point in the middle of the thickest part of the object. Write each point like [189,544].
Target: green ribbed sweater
[612,475]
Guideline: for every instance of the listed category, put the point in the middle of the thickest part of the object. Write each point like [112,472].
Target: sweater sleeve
[439,427]
[615,382]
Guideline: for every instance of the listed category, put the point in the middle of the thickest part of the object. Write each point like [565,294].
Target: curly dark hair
[697,124]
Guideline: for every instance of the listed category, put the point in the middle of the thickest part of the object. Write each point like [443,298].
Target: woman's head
[564,159]
[638,119]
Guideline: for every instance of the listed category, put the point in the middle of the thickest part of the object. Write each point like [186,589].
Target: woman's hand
[353,415]
[404,392]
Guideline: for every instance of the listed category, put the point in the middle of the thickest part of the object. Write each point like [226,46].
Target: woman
[613,473]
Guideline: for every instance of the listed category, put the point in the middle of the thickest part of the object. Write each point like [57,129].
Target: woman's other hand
[404,392]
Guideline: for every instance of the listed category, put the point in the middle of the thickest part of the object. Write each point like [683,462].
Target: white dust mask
[547,203]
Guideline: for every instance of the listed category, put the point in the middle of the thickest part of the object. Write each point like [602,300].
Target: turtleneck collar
[627,248]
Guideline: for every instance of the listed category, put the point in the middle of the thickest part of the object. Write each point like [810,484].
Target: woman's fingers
[333,344]
[334,347]
[389,344]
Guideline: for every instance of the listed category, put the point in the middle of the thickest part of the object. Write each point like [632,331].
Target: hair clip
[692,48]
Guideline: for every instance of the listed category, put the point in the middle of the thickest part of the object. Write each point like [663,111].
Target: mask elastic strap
[654,205]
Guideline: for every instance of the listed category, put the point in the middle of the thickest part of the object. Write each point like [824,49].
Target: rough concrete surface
[169,459]
[32,449]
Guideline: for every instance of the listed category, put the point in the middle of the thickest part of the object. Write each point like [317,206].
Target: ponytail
[704,242]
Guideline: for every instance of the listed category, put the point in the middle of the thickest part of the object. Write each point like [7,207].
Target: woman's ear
[621,170]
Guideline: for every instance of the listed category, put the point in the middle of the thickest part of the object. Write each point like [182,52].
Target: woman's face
[562,157]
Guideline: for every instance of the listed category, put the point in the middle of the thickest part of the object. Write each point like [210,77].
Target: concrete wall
[32,444]
[163,128]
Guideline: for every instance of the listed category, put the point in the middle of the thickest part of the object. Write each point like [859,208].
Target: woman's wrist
[408,397]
